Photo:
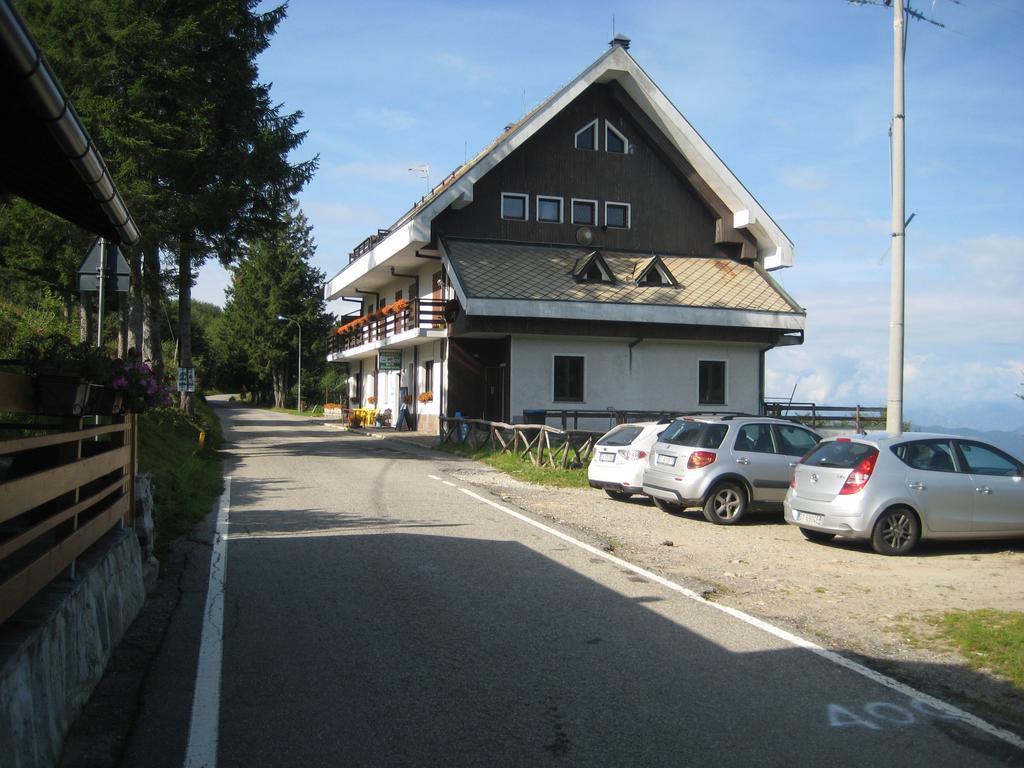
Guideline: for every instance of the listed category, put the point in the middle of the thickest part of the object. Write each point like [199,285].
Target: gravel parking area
[840,595]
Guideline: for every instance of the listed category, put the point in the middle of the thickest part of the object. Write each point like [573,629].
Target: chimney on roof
[620,40]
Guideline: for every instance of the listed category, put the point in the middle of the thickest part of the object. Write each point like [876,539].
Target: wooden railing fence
[65,481]
[418,313]
[541,444]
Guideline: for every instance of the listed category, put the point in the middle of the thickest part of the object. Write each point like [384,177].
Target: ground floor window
[568,378]
[712,382]
[428,376]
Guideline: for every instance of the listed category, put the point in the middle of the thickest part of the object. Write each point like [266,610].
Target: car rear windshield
[839,454]
[694,434]
[624,435]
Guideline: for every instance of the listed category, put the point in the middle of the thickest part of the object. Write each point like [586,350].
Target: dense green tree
[276,278]
[169,91]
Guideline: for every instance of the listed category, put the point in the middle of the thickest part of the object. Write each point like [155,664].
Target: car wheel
[666,506]
[726,504]
[618,495]
[812,535]
[896,532]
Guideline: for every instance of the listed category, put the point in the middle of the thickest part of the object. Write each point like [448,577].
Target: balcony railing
[429,314]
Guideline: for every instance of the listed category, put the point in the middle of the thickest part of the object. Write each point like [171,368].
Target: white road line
[203,730]
[450,484]
[835,658]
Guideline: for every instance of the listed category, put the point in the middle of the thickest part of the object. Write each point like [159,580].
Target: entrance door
[494,395]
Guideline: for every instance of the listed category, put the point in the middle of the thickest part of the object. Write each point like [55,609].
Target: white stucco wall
[663,374]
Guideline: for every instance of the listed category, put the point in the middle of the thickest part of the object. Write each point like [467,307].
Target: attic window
[586,137]
[614,141]
[513,206]
[594,270]
[655,274]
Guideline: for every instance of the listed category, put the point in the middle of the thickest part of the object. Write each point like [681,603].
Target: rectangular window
[568,378]
[549,209]
[514,206]
[712,382]
[617,215]
[428,376]
[614,141]
[584,211]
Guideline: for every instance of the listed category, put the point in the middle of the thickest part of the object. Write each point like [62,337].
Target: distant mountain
[1012,442]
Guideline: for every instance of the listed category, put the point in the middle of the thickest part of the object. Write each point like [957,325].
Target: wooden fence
[541,444]
[65,481]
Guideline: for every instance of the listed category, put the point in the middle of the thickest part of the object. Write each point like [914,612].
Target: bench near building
[598,254]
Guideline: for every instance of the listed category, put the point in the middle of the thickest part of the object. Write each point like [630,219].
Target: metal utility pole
[894,411]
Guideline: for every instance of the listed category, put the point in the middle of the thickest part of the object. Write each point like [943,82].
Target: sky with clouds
[794,95]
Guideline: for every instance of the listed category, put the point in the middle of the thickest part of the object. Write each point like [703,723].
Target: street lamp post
[293,320]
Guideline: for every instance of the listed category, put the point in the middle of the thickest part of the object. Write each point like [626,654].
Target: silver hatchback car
[725,464]
[896,491]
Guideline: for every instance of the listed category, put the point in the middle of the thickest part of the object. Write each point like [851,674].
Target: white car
[620,457]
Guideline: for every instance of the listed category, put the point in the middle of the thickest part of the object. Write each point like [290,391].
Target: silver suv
[725,464]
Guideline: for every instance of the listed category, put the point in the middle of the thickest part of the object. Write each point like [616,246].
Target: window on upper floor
[617,215]
[549,209]
[594,269]
[514,206]
[614,141]
[586,137]
[584,211]
[653,273]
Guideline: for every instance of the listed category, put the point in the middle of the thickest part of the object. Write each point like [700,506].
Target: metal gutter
[49,102]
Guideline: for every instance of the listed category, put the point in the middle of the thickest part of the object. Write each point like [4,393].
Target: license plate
[810,517]
[606,457]
[669,461]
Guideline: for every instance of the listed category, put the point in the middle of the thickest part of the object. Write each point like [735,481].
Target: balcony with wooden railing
[66,479]
[391,321]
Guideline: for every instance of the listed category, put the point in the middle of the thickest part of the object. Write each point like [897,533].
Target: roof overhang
[46,155]
[774,248]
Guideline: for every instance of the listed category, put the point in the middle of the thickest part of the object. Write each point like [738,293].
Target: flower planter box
[104,401]
[61,395]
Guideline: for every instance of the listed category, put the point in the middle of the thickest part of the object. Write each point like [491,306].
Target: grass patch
[520,468]
[187,476]
[988,639]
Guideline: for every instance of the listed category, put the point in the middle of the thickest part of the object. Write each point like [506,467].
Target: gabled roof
[594,260]
[614,65]
[530,279]
[653,264]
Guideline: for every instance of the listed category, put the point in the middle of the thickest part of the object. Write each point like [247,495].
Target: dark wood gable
[671,210]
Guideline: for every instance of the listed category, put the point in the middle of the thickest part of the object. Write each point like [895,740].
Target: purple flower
[120,383]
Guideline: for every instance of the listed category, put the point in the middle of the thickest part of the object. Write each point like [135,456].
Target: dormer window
[594,269]
[614,141]
[586,137]
[654,274]
[514,206]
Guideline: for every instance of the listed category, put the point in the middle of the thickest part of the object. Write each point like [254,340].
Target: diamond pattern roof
[536,272]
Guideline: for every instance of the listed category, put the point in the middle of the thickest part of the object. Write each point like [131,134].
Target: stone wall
[54,651]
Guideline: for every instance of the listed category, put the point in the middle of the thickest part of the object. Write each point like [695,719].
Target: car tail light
[632,454]
[700,459]
[860,475]
[792,480]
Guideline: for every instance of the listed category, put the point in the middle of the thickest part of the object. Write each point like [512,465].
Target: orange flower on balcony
[394,309]
[425,397]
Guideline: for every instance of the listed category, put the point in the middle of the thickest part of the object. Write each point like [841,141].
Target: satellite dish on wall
[584,236]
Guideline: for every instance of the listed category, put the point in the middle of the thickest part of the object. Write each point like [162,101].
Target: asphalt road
[375,614]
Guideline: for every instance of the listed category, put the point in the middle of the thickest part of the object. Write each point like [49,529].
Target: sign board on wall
[389,360]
